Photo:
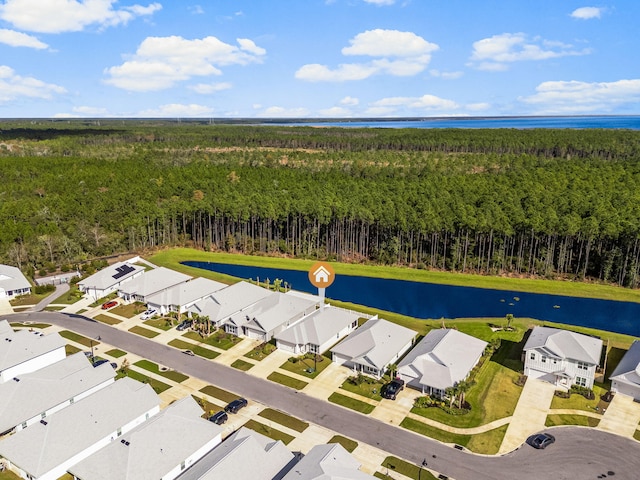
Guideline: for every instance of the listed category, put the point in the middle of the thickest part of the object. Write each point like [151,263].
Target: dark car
[542,440]
[219,418]
[97,363]
[236,405]
[391,389]
[108,305]
[183,325]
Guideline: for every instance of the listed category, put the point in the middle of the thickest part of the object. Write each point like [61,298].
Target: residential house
[561,357]
[109,279]
[46,450]
[13,282]
[317,332]
[625,378]
[25,399]
[162,448]
[327,462]
[244,455]
[442,359]
[179,298]
[224,303]
[373,347]
[269,316]
[25,351]
[150,283]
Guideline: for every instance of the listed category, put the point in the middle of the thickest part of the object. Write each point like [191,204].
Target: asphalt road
[579,453]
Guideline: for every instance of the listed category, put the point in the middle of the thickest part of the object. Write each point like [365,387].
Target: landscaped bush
[293,359]
[39,289]
[428,402]
[584,391]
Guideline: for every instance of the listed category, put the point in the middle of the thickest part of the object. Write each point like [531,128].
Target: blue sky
[318,58]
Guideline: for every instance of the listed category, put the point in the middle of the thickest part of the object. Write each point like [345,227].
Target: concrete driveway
[622,416]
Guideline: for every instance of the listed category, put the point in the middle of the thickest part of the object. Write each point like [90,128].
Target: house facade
[625,379]
[180,298]
[109,279]
[12,282]
[150,283]
[373,347]
[561,357]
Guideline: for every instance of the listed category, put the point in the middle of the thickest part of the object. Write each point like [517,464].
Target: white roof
[442,358]
[565,344]
[327,462]
[22,346]
[318,327]
[185,293]
[222,304]
[244,455]
[273,311]
[375,343]
[154,448]
[628,370]
[152,281]
[111,275]
[25,399]
[42,447]
[11,278]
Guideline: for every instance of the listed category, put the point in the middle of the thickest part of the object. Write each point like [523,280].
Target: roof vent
[16,379]
[44,422]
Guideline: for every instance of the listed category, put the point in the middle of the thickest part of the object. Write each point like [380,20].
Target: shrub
[44,288]
[293,359]
[584,391]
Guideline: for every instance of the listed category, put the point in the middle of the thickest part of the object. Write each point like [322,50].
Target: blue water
[631,122]
[428,300]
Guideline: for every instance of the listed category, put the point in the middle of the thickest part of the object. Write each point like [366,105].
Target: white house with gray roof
[221,305]
[373,347]
[327,462]
[25,398]
[13,282]
[269,316]
[46,450]
[179,298]
[442,359]
[561,357]
[150,283]
[25,351]
[109,279]
[317,332]
[625,378]
[162,448]
[244,455]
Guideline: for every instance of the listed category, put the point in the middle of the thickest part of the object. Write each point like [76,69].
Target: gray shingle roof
[327,462]
[225,302]
[375,343]
[318,327]
[109,276]
[153,281]
[68,378]
[273,311]
[40,448]
[187,292]
[628,370]
[442,358]
[155,447]
[11,278]
[22,345]
[565,344]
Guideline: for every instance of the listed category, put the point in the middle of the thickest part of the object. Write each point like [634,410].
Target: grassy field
[287,381]
[578,402]
[219,393]
[159,323]
[219,339]
[242,365]
[261,351]
[369,388]
[129,310]
[306,366]
[107,319]
[393,464]
[269,432]
[351,403]
[157,385]
[87,342]
[145,332]
[284,419]
[197,349]
[580,420]
[172,258]
[154,368]
[116,353]
[348,444]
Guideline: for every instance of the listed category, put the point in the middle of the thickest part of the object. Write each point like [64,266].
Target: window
[583,366]
[119,431]
[72,401]
[544,359]
[581,381]
[24,424]
[43,414]
[182,465]
[533,355]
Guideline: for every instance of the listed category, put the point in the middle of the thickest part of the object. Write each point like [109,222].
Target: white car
[152,312]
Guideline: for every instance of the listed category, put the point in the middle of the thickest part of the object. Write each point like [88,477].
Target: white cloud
[161,62]
[177,110]
[336,112]
[395,53]
[476,107]
[55,16]
[349,101]
[196,9]
[18,39]
[208,88]
[284,112]
[557,97]
[13,86]
[380,2]
[587,13]
[446,75]
[412,105]
[495,52]
[90,111]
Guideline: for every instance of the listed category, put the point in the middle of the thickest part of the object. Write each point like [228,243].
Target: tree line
[524,202]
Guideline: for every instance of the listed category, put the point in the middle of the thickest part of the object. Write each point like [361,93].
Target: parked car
[188,352]
[541,440]
[219,418]
[108,305]
[236,405]
[149,314]
[100,362]
[183,325]
[391,389]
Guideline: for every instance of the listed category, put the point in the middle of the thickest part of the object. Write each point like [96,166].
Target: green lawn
[145,332]
[71,349]
[351,403]
[369,388]
[284,419]
[8,475]
[219,393]
[163,323]
[287,381]
[261,351]
[100,301]
[172,258]
[429,431]
[580,420]
[348,444]
[129,310]
[393,464]
[242,365]
[306,366]
[197,349]
[70,297]
[87,342]
[578,402]
[157,385]
[219,339]
[31,299]
[170,374]
[30,325]
[107,319]
[116,353]
[269,432]
[53,308]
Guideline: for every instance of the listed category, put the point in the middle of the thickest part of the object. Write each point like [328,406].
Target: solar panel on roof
[123,270]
